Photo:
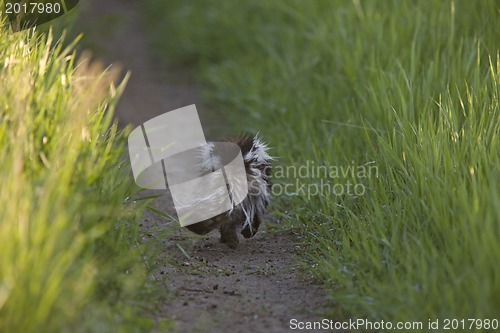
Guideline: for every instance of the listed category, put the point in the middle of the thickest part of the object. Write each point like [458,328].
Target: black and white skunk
[245,217]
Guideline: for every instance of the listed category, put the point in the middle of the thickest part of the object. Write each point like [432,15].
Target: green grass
[412,87]
[69,256]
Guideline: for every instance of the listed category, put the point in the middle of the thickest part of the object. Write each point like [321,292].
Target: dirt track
[255,288]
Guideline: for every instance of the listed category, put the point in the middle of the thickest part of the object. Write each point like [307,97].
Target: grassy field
[69,256]
[408,88]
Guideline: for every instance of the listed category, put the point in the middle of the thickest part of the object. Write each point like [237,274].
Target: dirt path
[210,288]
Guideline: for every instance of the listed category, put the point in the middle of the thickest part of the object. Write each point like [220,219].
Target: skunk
[245,217]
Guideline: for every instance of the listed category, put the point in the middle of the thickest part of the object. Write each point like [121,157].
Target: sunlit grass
[412,86]
[69,255]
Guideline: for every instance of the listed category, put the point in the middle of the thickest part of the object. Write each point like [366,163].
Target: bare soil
[207,286]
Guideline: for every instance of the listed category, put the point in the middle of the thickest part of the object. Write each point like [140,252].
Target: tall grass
[69,258]
[409,86]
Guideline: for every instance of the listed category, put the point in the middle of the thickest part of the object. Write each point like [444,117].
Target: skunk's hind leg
[228,235]
[250,231]
[229,230]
